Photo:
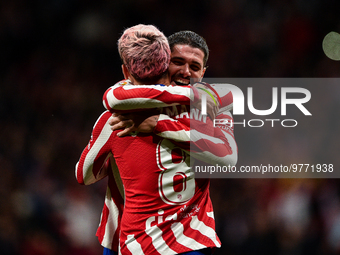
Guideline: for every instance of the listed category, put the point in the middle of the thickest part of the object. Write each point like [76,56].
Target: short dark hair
[192,39]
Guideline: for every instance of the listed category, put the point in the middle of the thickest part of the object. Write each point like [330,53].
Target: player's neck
[164,80]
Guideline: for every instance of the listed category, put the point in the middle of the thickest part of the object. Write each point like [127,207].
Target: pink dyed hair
[145,51]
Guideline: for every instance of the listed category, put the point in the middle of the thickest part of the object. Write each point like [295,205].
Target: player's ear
[126,72]
[203,72]
[204,69]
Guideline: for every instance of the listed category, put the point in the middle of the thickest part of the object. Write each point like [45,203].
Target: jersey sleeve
[91,165]
[124,97]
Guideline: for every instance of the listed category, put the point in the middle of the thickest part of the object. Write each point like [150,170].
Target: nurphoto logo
[280,97]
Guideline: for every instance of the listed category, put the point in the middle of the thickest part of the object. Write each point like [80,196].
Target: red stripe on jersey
[227,99]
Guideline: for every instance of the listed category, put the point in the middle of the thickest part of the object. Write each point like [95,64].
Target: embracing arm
[91,165]
[124,97]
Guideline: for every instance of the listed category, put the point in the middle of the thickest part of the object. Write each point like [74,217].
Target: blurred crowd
[59,56]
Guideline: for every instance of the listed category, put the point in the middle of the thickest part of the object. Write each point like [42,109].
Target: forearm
[131,97]
[172,129]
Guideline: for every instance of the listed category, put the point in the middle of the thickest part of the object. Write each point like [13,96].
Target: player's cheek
[196,74]
[173,71]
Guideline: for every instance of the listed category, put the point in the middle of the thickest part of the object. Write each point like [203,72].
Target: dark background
[57,58]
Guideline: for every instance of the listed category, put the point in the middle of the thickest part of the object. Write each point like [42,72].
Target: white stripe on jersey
[157,240]
[111,221]
[198,225]
[211,215]
[178,228]
[133,246]
[179,136]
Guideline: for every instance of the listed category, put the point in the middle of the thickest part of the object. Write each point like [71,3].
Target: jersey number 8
[176,182]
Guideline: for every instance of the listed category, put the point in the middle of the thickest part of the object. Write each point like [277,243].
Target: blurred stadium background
[59,56]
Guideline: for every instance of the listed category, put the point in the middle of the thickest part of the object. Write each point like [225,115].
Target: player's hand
[212,103]
[143,121]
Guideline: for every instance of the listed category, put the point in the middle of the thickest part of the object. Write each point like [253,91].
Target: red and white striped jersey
[167,211]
